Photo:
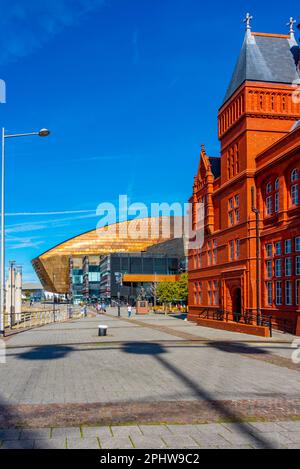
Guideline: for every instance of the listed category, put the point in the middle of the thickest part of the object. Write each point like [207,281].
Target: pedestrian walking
[129,310]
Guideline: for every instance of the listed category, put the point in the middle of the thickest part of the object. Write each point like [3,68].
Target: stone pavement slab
[66,432]
[53,443]
[100,432]
[180,441]
[204,436]
[18,444]
[83,443]
[293,426]
[158,430]
[10,434]
[116,442]
[38,433]
[130,430]
[148,442]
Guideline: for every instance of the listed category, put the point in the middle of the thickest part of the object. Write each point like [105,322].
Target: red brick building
[257,175]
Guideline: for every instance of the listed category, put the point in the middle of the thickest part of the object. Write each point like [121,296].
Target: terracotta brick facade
[260,151]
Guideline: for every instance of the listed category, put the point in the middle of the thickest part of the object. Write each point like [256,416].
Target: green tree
[169,292]
[182,286]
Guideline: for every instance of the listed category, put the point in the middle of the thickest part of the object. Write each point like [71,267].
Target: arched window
[269,188]
[294,187]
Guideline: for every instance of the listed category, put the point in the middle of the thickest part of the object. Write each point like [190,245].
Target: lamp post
[119,281]
[256,211]
[41,133]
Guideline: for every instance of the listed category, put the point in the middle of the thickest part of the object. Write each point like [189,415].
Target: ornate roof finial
[291,25]
[248,20]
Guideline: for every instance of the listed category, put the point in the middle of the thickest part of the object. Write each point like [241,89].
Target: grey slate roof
[267,59]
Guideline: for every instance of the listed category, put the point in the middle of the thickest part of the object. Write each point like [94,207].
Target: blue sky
[129,89]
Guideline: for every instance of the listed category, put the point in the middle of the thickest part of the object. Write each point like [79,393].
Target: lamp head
[44,133]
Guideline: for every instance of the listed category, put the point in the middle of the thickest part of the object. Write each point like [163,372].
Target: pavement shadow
[238,347]
[158,351]
[51,352]
[143,348]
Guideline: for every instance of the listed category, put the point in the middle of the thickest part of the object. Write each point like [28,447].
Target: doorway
[237,304]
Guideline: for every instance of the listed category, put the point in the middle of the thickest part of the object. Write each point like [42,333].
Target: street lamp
[41,133]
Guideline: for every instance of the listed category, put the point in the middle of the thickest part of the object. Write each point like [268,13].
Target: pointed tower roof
[271,58]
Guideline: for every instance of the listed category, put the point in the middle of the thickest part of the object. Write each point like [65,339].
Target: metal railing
[246,317]
[31,319]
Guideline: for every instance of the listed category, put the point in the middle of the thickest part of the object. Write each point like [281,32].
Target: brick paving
[281,435]
[64,379]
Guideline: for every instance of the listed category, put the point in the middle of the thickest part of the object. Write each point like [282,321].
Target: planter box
[260,331]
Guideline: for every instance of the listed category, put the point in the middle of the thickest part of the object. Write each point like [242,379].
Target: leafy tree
[169,292]
[183,288]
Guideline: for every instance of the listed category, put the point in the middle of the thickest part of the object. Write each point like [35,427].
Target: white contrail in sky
[32,214]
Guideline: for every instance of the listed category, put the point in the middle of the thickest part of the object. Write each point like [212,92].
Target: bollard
[102,331]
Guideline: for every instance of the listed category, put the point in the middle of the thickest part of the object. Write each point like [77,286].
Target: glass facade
[133,263]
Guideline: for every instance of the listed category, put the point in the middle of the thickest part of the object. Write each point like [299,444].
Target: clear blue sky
[129,89]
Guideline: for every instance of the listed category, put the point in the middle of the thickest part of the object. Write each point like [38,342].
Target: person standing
[129,309]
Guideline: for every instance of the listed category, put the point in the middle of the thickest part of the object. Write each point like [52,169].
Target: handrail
[31,319]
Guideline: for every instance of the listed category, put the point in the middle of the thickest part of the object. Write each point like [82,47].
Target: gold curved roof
[52,267]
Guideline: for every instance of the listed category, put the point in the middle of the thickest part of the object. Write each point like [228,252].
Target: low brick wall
[260,331]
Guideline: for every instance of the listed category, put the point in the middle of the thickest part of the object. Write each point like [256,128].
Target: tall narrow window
[295,187]
[200,292]
[269,293]
[277,248]
[210,292]
[297,265]
[269,199]
[210,253]
[272,199]
[234,210]
[269,250]
[215,252]
[237,159]
[269,269]
[278,269]
[276,196]
[297,295]
[237,248]
[288,246]
[278,293]
[231,250]
[228,167]
[288,266]
[288,293]
[216,292]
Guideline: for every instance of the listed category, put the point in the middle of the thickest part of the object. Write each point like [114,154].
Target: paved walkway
[64,374]
[259,435]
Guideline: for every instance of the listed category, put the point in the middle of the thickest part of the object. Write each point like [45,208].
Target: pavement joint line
[131,441]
